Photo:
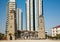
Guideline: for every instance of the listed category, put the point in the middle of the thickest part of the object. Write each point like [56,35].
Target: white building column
[40,7]
[31,12]
[36,14]
[27,16]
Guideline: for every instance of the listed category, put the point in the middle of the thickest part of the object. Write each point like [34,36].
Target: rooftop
[57,26]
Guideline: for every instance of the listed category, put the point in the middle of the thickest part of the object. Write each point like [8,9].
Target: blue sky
[51,10]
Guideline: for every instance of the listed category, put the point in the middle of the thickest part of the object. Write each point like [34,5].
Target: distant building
[19,17]
[55,31]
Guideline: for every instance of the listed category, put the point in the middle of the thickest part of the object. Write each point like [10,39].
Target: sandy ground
[31,41]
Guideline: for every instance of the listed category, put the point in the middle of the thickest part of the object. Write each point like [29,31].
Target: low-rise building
[55,31]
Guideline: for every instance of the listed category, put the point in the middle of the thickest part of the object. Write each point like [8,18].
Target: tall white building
[19,16]
[36,14]
[33,10]
[40,7]
[27,16]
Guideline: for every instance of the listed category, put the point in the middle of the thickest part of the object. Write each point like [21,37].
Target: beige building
[19,16]
[41,30]
[11,26]
[32,14]
[11,30]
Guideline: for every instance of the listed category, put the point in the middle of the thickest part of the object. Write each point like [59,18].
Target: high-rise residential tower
[32,14]
[11,27]
[19,17]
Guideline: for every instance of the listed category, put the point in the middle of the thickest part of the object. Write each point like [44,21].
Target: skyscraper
[19,16]
[11,27]
[35,20]
[32,13]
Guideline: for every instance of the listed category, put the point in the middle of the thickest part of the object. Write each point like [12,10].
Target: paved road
[32,41]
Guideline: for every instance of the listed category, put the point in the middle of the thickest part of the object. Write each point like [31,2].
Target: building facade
[11,27]
[32,14]
[55,31]
[19,17]
[41,29]
[27,16]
